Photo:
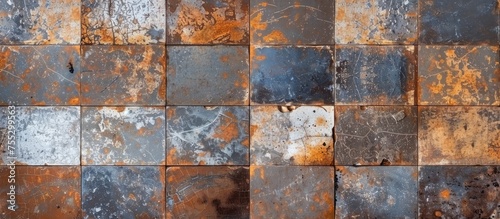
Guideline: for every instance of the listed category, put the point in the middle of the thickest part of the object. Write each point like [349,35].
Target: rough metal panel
[123,136]
[459,22]
[376,135]
[459,192]
[459,75]
[290,74]
[288,136]
[291,192]
[376,192]
[459,135]
[207,21]
[123,75]
[42,192]
[376,22]
[39,75]
[201,75]
[45,136]
[292,22]
[208,192]
[199,135]
[123,22]
[375,75]
[40,22]
[123,192]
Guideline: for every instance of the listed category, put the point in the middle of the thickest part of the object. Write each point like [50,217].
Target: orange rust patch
[275,36]
[228,129]
[445,194]
[120,109]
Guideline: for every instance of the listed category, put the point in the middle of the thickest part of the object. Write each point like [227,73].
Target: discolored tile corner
[459,75]
[123,136]
[376,22]
[198,135]
[123,75]
[207,75]
[296,75]
[123,192]
[459,135]
[207,22]
[125,22]
[459,192]
[292,22]
[383,192]
[291,192]
[208,192]
[291,135]
[376,135]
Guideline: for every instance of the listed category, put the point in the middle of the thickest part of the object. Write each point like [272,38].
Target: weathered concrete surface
[199,135]
[376,22]
[459,192]
[292,75]
[207,21]
[292,22]
[123,192]
[376,192]
[202,75]
[39,75]
[291,136]
[44,136]
[123,75]
[459,135]
[373,135]
[208,192]
[291,192]
[40,22]
[123,136]
[459,75]
[375,75]
[123,22]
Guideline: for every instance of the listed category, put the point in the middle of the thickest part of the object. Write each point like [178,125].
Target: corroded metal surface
[201,75]
[375,75]
[208,192]
[291,74]
[292,22]
[291,192]
[123,192]
[123,75]
[288,136]
[459,135]
[374,134]
[39,75]
[459,192]
[123,136]
[459,75]
[376,192]
[199,135]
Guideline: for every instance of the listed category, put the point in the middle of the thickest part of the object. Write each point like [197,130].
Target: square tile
[123,192]
[292,75]
[123,136]
[123,22]
[123,75]
[292,22]
[376,22]
[376,135]
[208,192]
[375,75]
[39,75]
[207,21]
[199,135]
[291,192]
[459,75]
[291,135]
[459,135]
[207,75]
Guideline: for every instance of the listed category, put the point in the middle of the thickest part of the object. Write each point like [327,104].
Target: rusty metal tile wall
[250,109]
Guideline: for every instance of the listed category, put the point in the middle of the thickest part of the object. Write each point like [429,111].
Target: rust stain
[228,130]
[275,36]
[445,194]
